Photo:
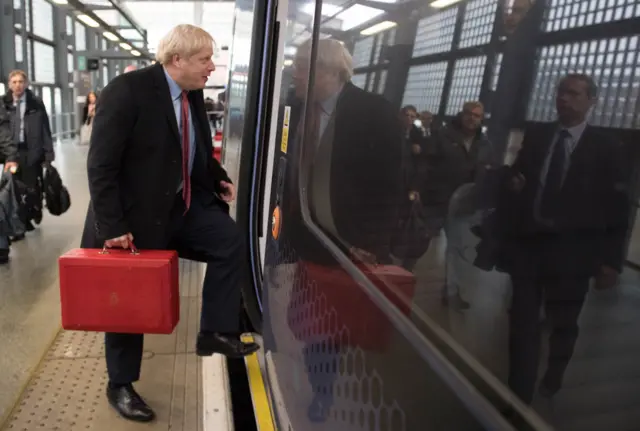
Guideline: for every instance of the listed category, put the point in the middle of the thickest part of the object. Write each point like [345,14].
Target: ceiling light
[439,4]
[376,28]
[136,53]
[88,20]
[112,37]
[60,1]
[327,9]
[125,46]
[288,62]
[357,15]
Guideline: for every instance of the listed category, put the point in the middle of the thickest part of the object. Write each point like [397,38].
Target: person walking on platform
[8,156]
[32,134]
[563,220]
[152,180]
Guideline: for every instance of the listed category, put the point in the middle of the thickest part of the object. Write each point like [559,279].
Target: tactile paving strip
[67,392]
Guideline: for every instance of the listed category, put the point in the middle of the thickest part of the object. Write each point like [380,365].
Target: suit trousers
[563,297]
[208,231]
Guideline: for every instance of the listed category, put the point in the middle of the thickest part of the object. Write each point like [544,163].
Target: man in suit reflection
[567,208]
[346,158]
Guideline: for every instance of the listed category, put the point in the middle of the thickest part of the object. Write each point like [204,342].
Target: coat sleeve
[8,147]
[112,126]
[617,203]
[47,139]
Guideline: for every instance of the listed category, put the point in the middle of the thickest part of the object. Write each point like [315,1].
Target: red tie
[186,187]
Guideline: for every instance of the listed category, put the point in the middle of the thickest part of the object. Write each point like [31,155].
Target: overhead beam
[109,54]
[99,7]
[125,14]
[82,8]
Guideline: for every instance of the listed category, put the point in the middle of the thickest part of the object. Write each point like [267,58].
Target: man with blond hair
[152,179]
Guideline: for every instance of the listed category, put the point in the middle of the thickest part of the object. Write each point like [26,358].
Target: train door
[346,347]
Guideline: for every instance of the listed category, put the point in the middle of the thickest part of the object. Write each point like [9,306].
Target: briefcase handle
[132,247]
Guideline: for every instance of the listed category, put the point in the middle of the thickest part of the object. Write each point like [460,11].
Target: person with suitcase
[8,157]
[152,179]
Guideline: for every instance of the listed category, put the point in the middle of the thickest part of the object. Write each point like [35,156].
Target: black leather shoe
[227,345]
[126,401]
[4,256]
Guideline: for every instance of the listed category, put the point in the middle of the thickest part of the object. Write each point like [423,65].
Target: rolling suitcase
[116,290]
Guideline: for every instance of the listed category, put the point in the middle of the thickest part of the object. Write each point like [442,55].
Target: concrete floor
[64,389]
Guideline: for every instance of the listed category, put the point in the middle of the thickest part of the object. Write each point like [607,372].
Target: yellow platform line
[261,405]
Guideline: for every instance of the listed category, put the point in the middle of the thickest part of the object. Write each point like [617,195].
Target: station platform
[55,380]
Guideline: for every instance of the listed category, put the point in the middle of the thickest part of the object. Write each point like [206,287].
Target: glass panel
[435,33]
[69,22]
[466,82]
[424,87]
[573,12]
[362,52]
[19,49]
[42,19]
[70,63]
[478,22]
[46,99]
[57,100]
[81,37]
[616,102]
[500,239]
[45,66]
[29,58]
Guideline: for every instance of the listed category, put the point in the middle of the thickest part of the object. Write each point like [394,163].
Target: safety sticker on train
[285,129]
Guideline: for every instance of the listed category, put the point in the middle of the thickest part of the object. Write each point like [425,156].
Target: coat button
[166,193]
[158,223]
[174,161]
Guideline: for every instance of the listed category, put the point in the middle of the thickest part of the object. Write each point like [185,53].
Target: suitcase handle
[132,247]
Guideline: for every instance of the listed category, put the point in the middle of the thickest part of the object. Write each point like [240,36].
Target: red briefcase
[115,290]
[326,302]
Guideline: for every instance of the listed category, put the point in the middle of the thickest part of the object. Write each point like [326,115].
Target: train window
[409,250]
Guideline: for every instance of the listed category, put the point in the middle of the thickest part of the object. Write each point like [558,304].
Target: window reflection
[396,152]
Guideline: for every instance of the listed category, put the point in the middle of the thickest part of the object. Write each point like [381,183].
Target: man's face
[472,118]
[17,84]
[195,70]
[572,100]
[426,118]
[408,117]
[325,80]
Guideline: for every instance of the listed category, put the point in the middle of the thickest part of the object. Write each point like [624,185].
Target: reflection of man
[152,177]
[350,171]
[353,149]
[567,209]
[460,153]
[515,14]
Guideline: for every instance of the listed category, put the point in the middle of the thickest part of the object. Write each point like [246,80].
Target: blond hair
[18,72]
[331,54]
[184,40]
